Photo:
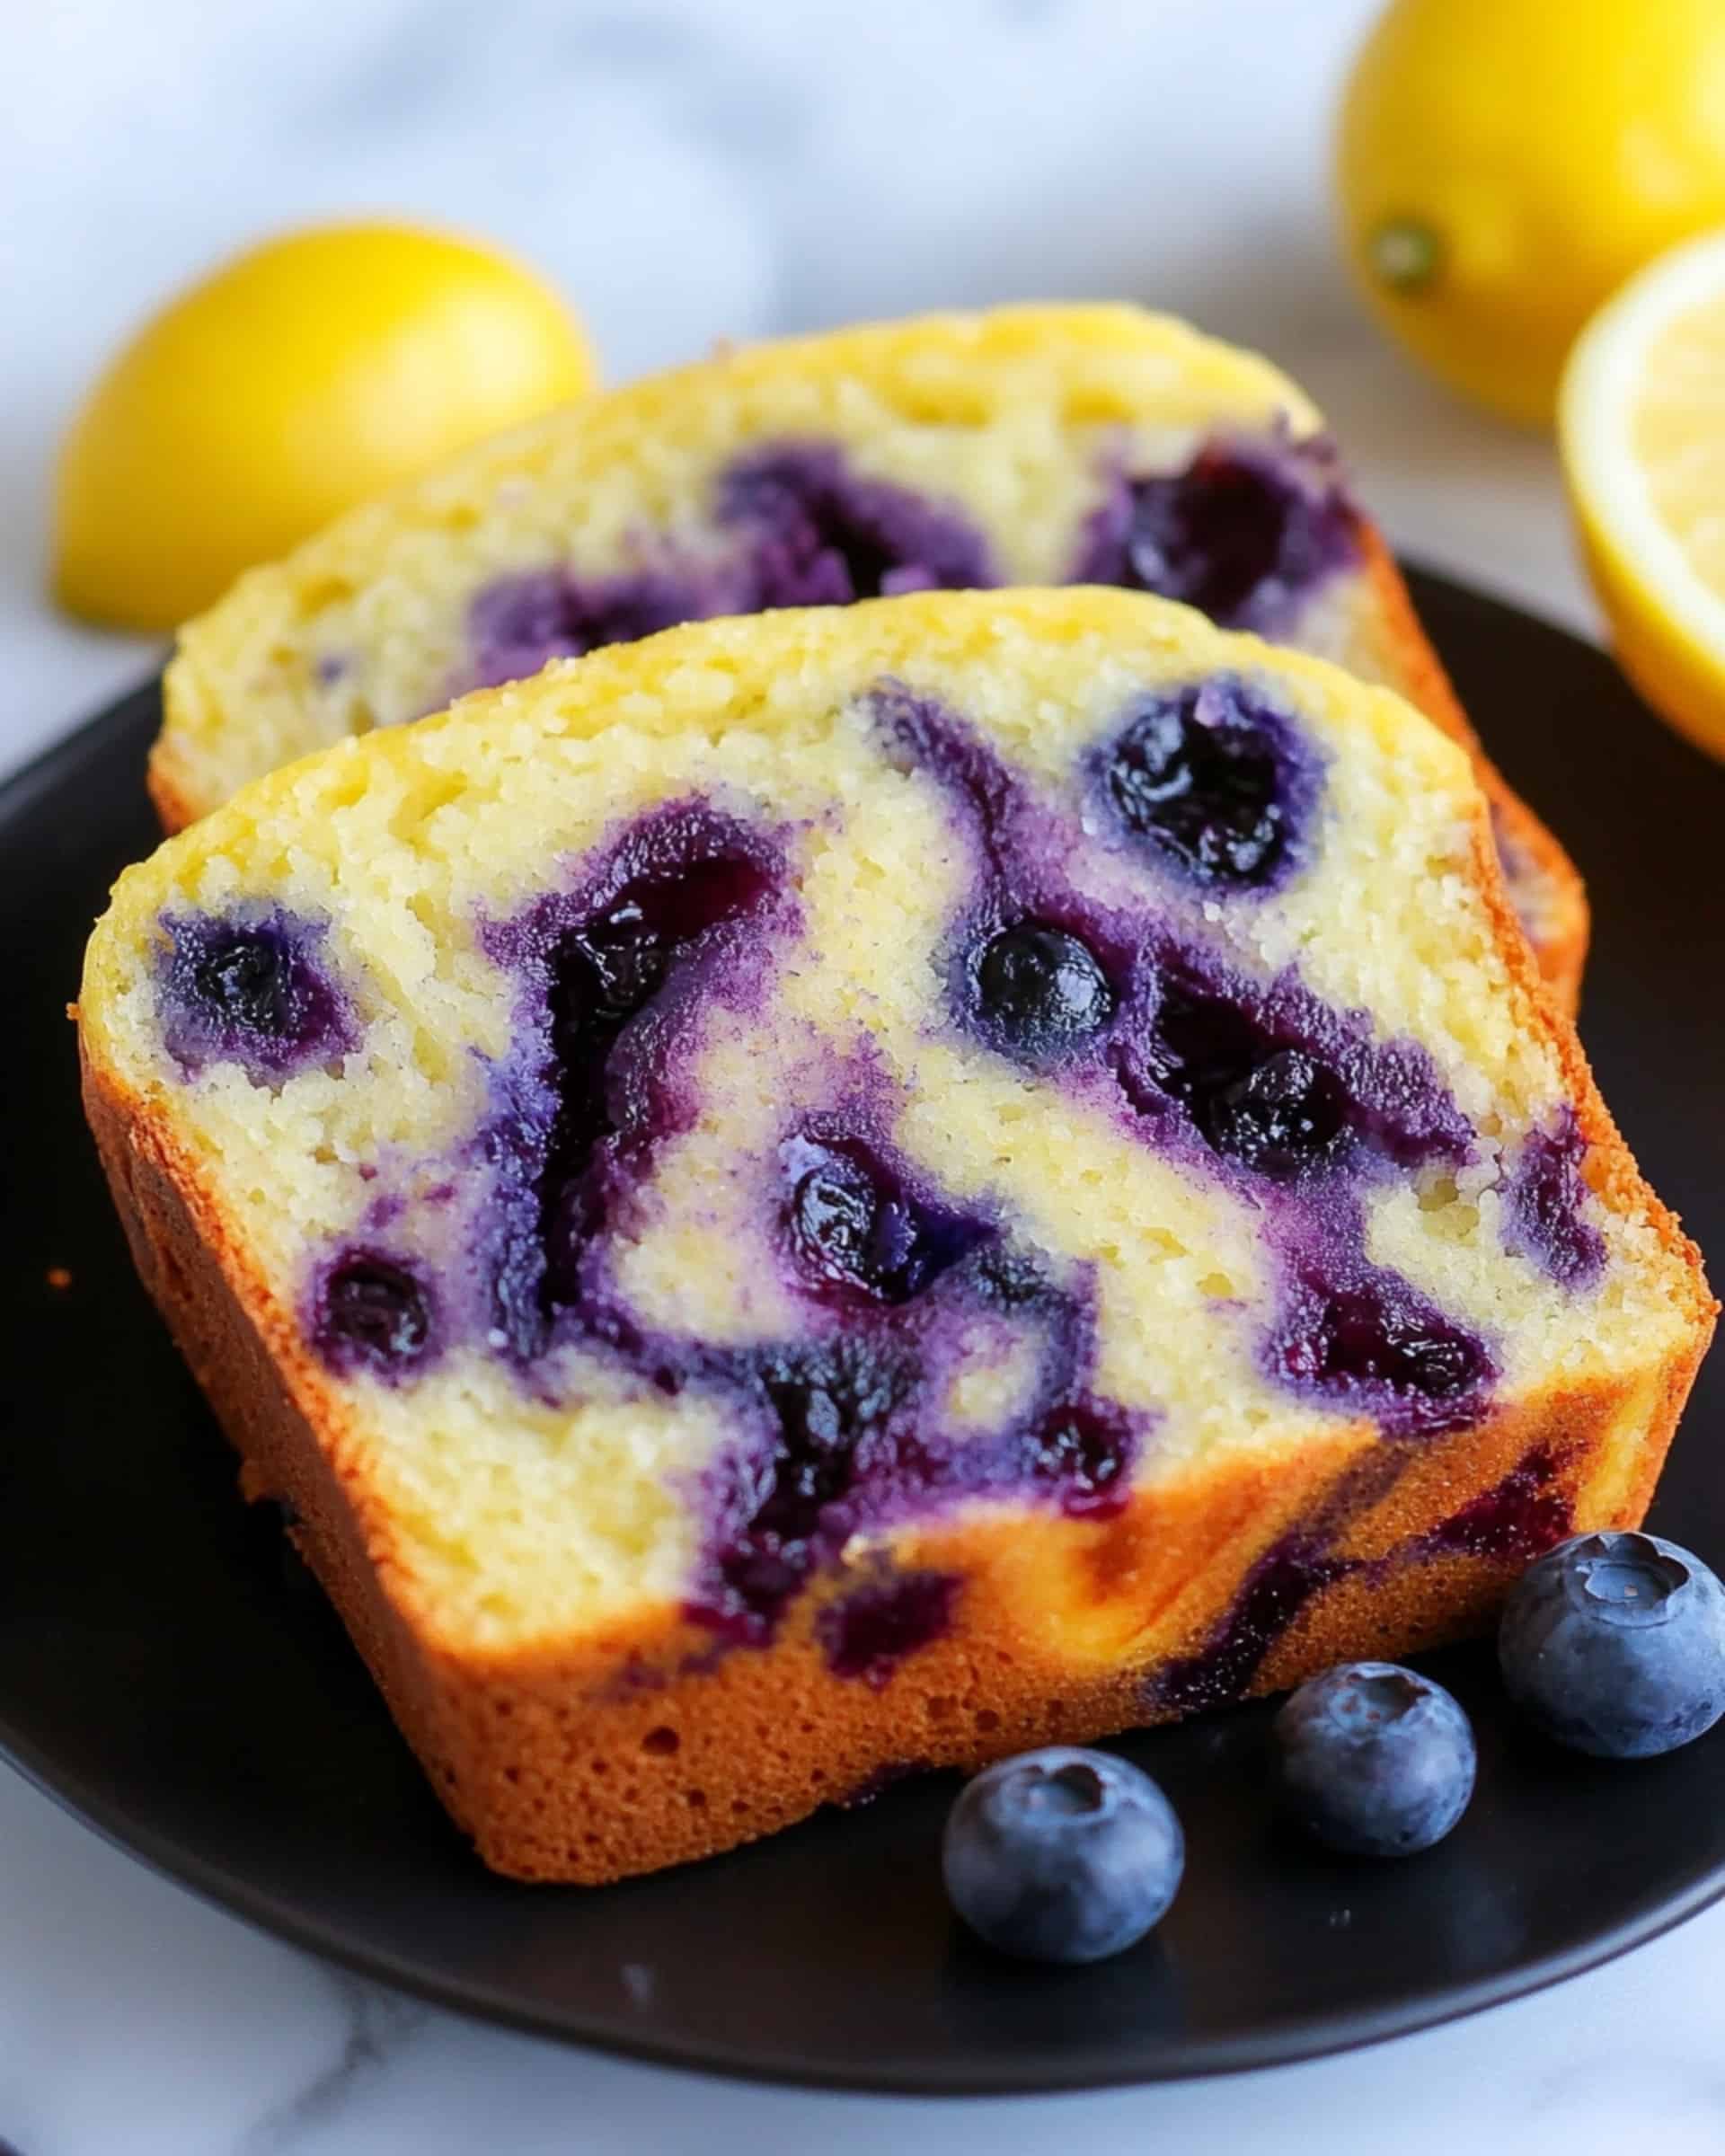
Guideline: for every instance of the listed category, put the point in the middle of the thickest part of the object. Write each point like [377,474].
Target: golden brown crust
[1417,674]
[173,812]
[621,1755]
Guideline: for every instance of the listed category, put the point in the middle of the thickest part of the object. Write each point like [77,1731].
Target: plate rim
[1294,2042]
[1287,2043]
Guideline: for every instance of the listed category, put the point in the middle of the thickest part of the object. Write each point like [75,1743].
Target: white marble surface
[689,170]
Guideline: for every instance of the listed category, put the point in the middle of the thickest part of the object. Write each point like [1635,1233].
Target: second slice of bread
[1025,446]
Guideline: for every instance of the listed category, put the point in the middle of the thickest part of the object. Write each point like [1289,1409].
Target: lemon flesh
[1641,425]
[315,370]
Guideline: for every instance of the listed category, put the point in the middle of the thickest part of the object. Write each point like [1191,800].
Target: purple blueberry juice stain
[850,1438]
[832,1419]
[800,528]
[1070,1445]
[821,534]
[841,1428]
[672,913]
[1082,1449]
[1515,1521]
[1014,843]
[1270,1079]
[870,1630]
[384,1211]
[1266,1075]
[1542,1211]
[1245,532]
[1277,1589]
[1358,1339]
[250,986]
[520,622]
[1284,1095]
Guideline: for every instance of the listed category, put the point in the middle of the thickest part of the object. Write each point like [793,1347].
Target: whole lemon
[307,373]
[1502,165]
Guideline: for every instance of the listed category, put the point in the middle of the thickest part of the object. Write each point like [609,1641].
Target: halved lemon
[1641,429]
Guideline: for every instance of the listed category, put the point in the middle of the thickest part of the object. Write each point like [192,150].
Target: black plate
[170,1677]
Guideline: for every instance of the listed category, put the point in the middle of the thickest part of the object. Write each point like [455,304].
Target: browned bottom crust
[623,1754]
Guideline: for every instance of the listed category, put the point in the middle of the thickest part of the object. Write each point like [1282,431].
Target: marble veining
[375,2026]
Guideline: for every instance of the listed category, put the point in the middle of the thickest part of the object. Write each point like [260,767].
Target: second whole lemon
[1503,165]
[316,369]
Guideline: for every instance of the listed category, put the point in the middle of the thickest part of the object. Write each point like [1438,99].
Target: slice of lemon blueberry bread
[877,1184]
[1030,445]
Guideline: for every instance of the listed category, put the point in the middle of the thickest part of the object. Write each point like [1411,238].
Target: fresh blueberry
[1614,1644]
[1373,1759]
[1062,1855]
[1041,990]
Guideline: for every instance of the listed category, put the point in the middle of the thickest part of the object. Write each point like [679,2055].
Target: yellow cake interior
[531,1506]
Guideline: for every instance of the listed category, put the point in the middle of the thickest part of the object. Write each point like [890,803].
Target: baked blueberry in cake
[888,1182]
[1030,445]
